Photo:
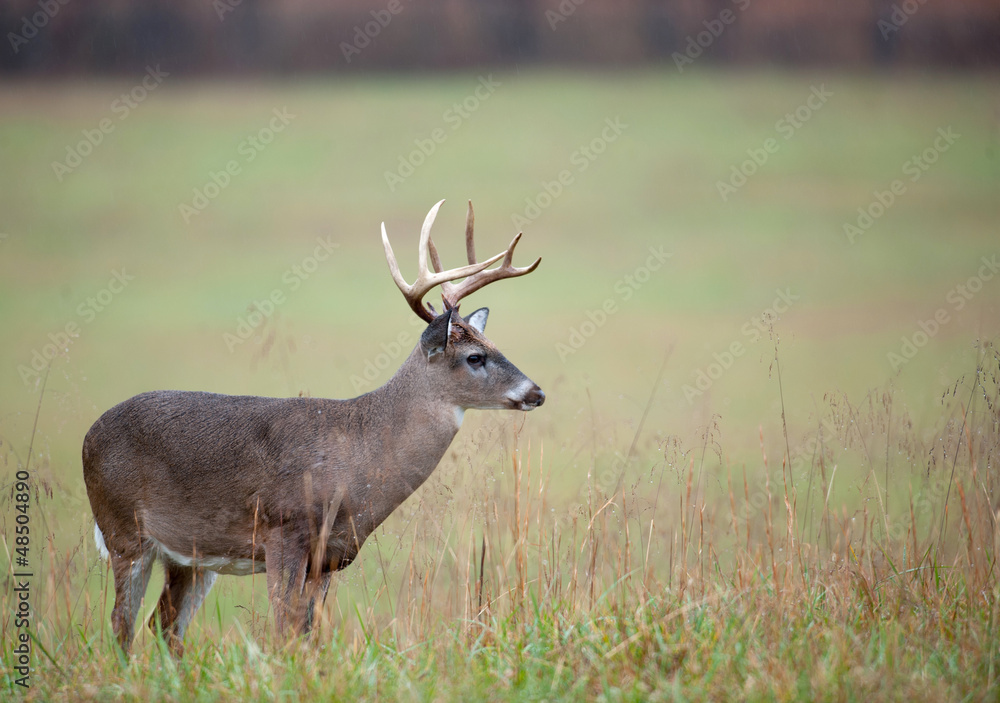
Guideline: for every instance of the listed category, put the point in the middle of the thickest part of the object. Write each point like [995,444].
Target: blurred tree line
[282,36]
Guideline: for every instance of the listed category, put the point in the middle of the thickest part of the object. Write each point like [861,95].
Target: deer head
[459,356]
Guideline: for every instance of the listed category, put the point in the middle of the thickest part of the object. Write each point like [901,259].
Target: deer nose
[534,397]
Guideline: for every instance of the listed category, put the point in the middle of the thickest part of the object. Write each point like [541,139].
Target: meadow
[765,321]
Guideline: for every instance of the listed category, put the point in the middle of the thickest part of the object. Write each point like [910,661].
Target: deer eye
[476,359]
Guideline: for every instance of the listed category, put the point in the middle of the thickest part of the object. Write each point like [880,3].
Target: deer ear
[435,338]
[477,320]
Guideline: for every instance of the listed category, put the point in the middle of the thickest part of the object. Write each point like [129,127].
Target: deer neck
[408,426]
[416,406]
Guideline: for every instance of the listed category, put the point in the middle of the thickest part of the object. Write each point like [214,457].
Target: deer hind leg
[184,590]
[132,573]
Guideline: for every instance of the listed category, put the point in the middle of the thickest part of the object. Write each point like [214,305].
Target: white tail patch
[99,540]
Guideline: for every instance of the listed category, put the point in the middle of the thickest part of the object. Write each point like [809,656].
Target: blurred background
[290,37]
[747,212]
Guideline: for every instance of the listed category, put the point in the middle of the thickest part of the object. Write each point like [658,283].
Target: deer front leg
[315,589]
[286,560]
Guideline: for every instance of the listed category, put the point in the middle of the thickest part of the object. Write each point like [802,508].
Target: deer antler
[452,293]
[475,274]
[425,279]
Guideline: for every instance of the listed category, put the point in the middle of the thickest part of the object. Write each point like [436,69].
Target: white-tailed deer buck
[217,484]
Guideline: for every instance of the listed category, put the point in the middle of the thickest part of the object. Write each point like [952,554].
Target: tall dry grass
[859,562]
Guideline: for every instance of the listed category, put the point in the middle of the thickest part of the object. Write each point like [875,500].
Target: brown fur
[291,486]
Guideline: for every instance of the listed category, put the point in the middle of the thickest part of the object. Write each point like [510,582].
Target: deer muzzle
[528,397]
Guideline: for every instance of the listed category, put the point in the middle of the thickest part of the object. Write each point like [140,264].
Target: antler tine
[452,293]
[435,259]
[425,279]
[425,235]
[404,287]
[470,244]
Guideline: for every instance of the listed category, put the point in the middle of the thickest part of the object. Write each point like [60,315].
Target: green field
[710,505]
